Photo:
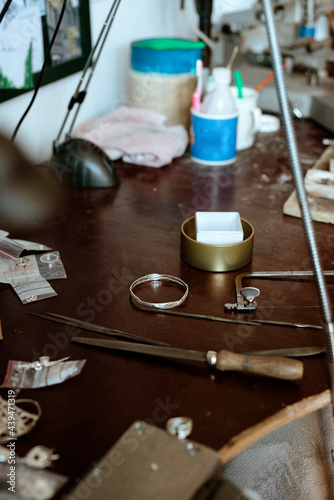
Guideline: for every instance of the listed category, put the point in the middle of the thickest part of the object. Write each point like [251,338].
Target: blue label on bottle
[213,140]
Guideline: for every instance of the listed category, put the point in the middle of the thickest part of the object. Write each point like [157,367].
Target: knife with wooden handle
[276,367]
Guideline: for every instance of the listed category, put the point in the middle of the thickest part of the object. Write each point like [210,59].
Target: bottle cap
[222,75]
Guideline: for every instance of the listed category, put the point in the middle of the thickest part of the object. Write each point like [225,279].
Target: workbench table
[107,238]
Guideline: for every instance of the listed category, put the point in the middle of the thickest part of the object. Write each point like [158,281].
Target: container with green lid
[161,77]
[166,55]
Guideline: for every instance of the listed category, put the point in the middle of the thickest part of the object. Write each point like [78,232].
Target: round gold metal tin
[216,258]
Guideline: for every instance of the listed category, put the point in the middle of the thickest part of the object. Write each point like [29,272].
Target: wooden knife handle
[269,366]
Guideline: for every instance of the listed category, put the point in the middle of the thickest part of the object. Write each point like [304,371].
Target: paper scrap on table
[31,375]
[28,275]
[12,249]
[29,282]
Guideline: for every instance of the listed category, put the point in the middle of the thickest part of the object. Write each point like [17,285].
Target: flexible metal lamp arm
[79,95]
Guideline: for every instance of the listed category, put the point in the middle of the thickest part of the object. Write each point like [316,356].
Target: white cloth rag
[137,136]
[294,462]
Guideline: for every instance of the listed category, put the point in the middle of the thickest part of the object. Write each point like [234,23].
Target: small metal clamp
[245,299]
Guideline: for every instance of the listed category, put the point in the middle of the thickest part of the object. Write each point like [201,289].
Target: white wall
[135,19]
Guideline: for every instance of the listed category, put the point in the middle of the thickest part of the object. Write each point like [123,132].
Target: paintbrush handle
[276,367]
[268,79]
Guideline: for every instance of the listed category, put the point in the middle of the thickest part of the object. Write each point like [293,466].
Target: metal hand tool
[285,323]
[97,328]
[199,316]
[246,295]
[276,367]
[253,322]
[290,352]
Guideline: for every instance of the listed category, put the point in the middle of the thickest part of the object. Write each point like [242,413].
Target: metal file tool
[199,316]
[97,328]
[253,322]
[276,367]
[291,352]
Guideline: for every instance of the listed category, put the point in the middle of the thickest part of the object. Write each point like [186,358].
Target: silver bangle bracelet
[159,277]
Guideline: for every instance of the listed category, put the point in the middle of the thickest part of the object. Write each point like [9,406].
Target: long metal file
[276,367]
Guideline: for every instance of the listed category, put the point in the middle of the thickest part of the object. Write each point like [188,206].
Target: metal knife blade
[97,328]
[292,352]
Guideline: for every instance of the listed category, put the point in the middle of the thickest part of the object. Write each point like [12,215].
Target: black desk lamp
[77,162]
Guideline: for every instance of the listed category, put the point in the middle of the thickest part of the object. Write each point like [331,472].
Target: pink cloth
[137,136]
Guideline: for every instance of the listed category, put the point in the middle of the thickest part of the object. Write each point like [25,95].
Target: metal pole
[297,174]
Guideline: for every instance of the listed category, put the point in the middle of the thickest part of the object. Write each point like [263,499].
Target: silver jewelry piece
[38,457]
[24,421]
[49,258]
[159,277]
[23,262]
[44,361]
[179,426]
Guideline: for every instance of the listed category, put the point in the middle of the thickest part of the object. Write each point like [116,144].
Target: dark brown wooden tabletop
[107,238]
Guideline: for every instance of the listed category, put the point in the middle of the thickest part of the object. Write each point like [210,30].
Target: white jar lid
[269,124]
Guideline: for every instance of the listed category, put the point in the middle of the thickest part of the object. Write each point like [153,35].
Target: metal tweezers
[97,328]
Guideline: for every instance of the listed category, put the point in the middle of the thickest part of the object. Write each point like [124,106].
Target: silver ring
[159,277]
[179,426]
[49,258]
[23,262]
